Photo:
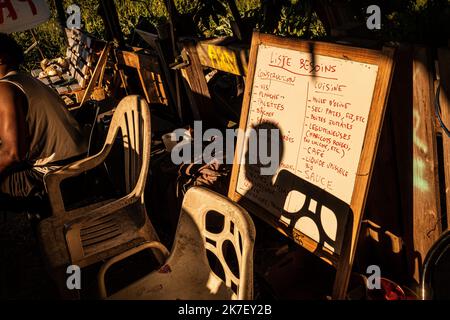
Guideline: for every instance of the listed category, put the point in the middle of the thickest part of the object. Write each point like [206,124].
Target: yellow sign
[223,59]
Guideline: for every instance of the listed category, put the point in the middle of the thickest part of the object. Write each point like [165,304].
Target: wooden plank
[149,72]
[144,78]
[79,76]
[44,81]
[224,58]
[68,89]
[87,55]
[81,65]
[73,36]
[138,61]
[62,90]
[165,79]
[68,54]
[444,99]
[55,79]
[426,205]
[151,84]
[80,70]
[167,76]
[197,88]
[96,74]
[72,70]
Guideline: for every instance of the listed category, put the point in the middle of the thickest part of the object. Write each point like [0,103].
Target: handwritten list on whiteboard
[321,106]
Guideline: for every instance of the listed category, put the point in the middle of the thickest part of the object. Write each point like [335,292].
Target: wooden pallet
[83,54]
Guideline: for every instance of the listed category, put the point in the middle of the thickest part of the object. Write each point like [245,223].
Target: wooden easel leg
[343,270]
[341,281]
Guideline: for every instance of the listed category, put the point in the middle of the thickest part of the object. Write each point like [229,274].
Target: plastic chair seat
[181,278]
[188,273]
[101,237]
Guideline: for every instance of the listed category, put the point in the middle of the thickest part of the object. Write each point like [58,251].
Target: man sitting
[37,133]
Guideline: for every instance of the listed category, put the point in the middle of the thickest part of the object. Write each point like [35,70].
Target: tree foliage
[423,21]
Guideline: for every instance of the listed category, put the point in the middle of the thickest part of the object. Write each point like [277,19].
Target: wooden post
[237,23]
[444,99]
[426,206]
[112,24]
[173,17]
[401,111]
[197,88]
[62,19]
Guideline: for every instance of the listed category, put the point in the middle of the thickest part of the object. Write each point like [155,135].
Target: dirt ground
[280,268]
[22,272]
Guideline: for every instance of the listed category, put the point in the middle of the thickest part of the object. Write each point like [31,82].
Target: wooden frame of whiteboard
[384,60]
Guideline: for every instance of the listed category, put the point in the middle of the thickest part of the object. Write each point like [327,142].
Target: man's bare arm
[12,126]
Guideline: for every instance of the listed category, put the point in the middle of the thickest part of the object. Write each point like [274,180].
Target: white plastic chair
[187,273]
[99,231]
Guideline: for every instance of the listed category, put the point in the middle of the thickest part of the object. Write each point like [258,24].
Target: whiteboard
[322,113]
[16,15]
[321,105]
[328,103]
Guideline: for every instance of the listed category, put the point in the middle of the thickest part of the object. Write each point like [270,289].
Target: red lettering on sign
[11,12]
[32,6]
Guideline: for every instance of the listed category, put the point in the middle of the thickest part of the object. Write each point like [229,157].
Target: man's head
[11,54]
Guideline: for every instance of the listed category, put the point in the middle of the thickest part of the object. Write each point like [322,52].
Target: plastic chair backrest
[238,232]
[435,282]
[132,117]
[317,213]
